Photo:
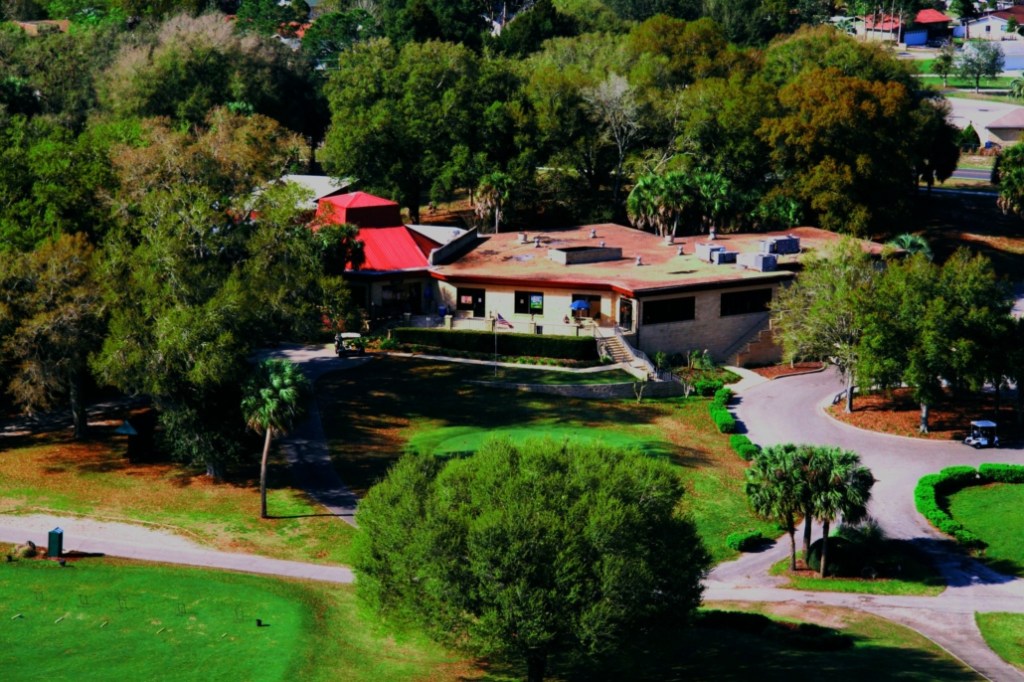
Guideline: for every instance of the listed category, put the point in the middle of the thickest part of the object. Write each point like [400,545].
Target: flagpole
[495,347]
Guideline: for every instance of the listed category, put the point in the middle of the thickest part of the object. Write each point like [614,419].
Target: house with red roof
[394,276]
[928,25]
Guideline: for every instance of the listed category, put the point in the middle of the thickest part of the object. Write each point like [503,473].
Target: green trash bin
[56,544]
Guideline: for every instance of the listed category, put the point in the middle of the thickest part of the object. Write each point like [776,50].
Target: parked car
[982,435]
[349,343]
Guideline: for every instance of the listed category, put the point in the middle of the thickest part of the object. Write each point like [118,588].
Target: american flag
[502,322]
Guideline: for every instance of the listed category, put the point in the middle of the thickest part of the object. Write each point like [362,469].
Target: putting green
[457,440]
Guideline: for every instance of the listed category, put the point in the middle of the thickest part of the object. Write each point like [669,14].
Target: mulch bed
[897,413]
[774,371]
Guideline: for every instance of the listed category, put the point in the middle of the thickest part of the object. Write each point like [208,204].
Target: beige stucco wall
[708,331]
[501,299]
[1004,136]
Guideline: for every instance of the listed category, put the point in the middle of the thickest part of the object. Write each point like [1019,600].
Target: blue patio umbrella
[579,304]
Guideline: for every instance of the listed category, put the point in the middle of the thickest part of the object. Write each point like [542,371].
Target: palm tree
[493,195]
[1017,88]
[774,488]
[645,204]
[839,486]
[658,202]
[272,399]
[912,244]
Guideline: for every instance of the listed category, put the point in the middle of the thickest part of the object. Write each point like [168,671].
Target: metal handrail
[637,353]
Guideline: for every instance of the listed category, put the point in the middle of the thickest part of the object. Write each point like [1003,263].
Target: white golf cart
[982,435]
[349,343]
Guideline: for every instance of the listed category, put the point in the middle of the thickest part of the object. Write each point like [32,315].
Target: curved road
[792,410]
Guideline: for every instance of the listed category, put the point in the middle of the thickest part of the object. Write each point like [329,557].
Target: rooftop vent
[575,255]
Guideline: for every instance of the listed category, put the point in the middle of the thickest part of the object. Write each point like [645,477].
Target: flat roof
[503,259]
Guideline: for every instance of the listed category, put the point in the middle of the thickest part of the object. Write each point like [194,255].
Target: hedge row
[720,414]
[565,347]
[932,490]
[741,542]
[743,446]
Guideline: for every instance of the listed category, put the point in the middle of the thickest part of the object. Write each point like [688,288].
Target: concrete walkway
[132,541]
[305,445]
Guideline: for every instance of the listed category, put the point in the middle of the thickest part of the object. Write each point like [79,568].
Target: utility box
[721,257]
[704,251]
[56,545]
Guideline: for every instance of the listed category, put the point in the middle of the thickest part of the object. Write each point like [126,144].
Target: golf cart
[348,343]
[983,435]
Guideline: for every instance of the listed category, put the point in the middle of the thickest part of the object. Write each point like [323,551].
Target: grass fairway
[375,412]
[882,650]
[181,623]
[93,478]
[1004,633]
[983,510]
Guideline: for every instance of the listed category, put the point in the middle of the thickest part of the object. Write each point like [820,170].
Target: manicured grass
[1000,82]
[882,650]
[917,577]
[102,619]
[375,412]
[1004,633]
[93,478]
[517,375]
[991,512]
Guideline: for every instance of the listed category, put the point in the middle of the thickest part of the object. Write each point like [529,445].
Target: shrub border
[932,490]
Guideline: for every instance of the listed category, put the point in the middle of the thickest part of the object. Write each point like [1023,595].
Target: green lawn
[520,375]
[984,510]
[998,83]
[917,577]
[1004,633]
[102,619]
[375,412]
[93,478]
[882,650]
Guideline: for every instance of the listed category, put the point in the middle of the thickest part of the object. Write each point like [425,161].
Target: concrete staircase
[760,348]
[617,350]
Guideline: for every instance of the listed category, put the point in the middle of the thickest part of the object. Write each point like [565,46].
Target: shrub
[725,422]
[931,491]
[742,446]
[565,347]
[388,344]
[1002,473]
[722,396]
[744,541]
[706,387]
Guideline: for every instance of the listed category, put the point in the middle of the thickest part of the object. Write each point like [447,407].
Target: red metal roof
[931,16]
[358,200]
[394,248]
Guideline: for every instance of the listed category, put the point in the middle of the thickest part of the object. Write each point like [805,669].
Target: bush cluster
[743,446]
[932,490]
[744,541]
[706,387]
[566,347]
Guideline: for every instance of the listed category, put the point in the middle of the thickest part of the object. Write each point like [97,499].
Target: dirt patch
[783,370]
[897,413]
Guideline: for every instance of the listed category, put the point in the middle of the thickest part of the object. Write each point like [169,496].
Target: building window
[466,298]
[745,302]
[529,303]
[669,310]
[592,309]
